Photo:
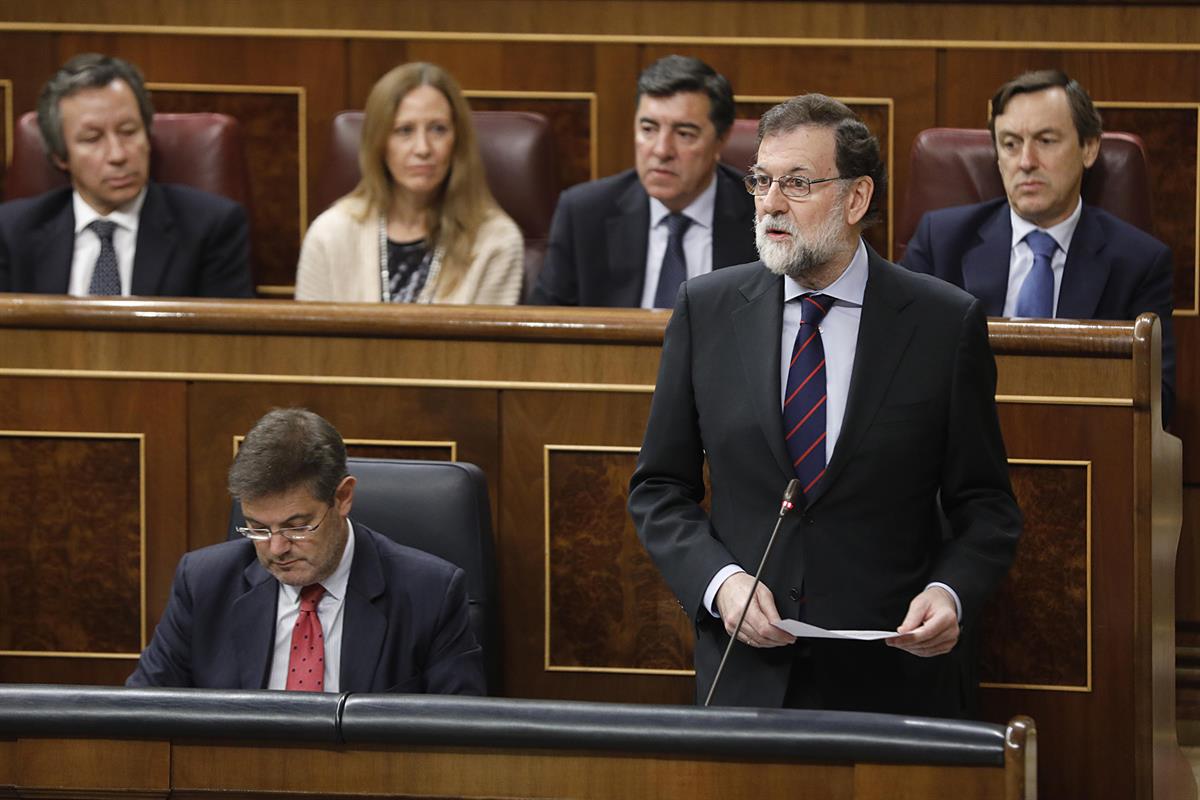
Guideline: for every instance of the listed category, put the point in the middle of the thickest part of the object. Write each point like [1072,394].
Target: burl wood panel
[1170,137]
[533,420]
[609,606]
[271,134]
[71,582]
[422,452]
[571,128]
[877,117]
[1036,625]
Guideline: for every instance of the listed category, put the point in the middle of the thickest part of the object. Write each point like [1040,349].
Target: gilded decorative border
[593,101]
[8,119]
[1087,464]
[141,440]
[451,445]
[1135,104]
[546,665]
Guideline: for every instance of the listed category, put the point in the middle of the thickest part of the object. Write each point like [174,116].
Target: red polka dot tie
[306,666]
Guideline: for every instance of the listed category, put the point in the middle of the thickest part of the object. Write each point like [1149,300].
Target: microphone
[790,494]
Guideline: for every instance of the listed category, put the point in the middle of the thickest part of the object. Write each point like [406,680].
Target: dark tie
[306,664]
[674,264]
[105,277]
[804,401]
[1036,298]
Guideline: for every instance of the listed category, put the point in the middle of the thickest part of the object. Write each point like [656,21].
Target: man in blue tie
[872,386]
[1040,251]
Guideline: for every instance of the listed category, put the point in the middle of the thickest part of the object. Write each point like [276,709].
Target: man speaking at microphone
[875,388]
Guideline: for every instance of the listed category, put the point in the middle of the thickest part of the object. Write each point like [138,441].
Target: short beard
[801,255]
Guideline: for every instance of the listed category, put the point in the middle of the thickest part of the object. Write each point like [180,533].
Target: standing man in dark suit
[628,240]
[1040,252]
[116,232]
[872,386]
[308,600]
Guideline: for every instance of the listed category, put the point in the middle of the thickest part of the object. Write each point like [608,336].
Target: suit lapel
[732,241]
[53,251]
[757,326]
[884,332]
[364,625]
[985,265]
[1085,274]
[627,236]
[155,243]
[254,626]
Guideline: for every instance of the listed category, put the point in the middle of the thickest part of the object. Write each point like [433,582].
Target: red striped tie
[804,400]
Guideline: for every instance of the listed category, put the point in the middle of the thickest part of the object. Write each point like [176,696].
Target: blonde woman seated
[421,226]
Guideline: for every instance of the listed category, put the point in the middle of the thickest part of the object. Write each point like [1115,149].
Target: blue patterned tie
[105,277]
[804,401]
[1036,298]
[674,264]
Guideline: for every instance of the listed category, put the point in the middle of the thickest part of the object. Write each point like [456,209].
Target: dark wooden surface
[551,404]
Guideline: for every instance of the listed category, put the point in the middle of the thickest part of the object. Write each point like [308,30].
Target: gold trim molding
[7,85]
[547,449]
[141,440]
[1087,465]
[452,446]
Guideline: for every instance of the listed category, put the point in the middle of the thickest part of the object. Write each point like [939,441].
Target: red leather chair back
[200,150]
[742,148]
[957,166]
[518,158]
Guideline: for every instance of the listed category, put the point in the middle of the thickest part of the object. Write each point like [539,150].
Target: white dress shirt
[87,243]
[697,240]
[329,612]
[839,337]
[1020,259]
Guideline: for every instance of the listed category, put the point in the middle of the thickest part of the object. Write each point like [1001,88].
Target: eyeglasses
[296,534]
[796,187]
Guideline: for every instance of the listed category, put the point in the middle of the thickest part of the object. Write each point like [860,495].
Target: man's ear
[343,496]
[1091,151]
[858,199]
[58,162]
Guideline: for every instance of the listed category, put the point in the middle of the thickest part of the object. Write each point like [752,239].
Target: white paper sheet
[804,630]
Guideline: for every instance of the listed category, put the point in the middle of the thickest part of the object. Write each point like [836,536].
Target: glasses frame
[297,533]
[799,183]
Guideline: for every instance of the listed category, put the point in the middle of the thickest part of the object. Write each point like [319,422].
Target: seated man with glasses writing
[308,600]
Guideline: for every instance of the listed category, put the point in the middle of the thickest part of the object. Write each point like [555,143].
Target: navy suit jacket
[1114,270]
[405,625]
[189,244]
[920,444]
[598,239]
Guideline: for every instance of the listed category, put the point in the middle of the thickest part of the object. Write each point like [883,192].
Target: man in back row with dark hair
[630,239]
[1040,251]
[309,601]
[115,231]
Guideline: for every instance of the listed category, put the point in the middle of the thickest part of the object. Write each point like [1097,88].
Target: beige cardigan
[339,261]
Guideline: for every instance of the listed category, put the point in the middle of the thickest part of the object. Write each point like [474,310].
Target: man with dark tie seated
[114,231]
[309,600]
[1040,251]
[628,240]
[872,387]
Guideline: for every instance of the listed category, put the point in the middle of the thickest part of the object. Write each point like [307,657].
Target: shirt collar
[335,584]
[1062,233]
[126,216]
[700,211]
[849,288]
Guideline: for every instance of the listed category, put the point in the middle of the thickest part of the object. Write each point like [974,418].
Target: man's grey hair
[288,448]
[85,71]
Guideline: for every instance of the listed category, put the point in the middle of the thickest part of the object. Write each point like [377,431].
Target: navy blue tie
[674,264]
[105,277]
[1036,298]
[804,399]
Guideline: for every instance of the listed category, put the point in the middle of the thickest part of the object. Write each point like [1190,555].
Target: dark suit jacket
[1114,270]
[189,244]
[405,625]
[920,439]
[598,239]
